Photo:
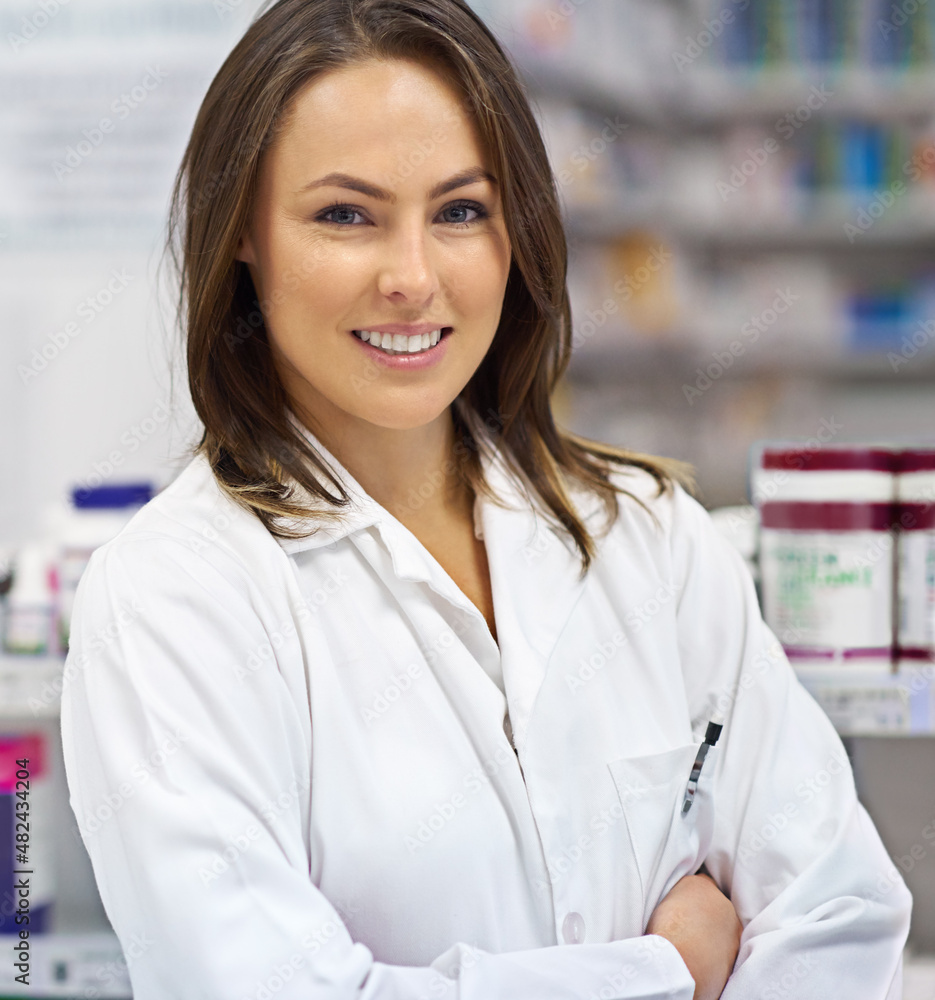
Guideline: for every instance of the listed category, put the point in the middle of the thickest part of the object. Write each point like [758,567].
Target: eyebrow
[465,177]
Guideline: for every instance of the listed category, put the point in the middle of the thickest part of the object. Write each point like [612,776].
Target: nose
[408,272]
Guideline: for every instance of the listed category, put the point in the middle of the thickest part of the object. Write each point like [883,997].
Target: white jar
[915,489]
[827,551]
[95,517]
[29,623]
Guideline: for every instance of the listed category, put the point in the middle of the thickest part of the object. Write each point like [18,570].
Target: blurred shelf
[716,96]
[865,701]
[825,228]
[826,222]
[63,964]
[30,686]
[918,977]
[643,106]
[645,211]
[661,361]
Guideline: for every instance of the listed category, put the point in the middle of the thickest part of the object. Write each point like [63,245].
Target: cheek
[476,281]
[314,291]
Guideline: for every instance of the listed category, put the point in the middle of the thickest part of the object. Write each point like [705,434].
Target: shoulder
[663,532]
[188,535]
[646,507]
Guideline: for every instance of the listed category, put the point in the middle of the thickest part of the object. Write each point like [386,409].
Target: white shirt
[291,768]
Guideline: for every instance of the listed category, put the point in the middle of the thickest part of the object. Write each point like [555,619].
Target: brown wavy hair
[257,454]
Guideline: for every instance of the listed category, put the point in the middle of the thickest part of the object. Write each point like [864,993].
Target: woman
[411,693]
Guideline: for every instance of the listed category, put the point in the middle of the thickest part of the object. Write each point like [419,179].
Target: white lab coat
[290,762]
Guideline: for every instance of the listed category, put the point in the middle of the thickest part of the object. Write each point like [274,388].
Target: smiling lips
[399,343]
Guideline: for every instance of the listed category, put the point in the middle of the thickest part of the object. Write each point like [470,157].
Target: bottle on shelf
[29,626]
[96,515]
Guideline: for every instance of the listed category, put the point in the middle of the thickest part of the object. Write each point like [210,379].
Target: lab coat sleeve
[825,912]
[187,784]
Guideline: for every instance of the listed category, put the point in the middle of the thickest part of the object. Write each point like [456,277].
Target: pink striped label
[825,653]
[14,748]
[917,516]
[922,460]
[802,515]
[918,653]
[828,459]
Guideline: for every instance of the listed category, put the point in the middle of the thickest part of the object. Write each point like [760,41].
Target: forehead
[390,112]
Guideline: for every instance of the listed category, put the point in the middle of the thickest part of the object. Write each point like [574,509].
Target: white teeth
[399,343]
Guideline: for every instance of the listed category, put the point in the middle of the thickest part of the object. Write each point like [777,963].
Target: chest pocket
[666,843]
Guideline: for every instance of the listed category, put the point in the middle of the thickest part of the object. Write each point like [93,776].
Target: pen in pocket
[710,738]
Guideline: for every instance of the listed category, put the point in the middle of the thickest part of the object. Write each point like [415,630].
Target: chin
[407,419]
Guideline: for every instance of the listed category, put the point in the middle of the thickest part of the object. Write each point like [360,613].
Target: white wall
[81,246]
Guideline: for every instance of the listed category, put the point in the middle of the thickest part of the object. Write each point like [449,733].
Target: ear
[245,251]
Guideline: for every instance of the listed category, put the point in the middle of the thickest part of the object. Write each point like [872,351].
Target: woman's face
[377,211]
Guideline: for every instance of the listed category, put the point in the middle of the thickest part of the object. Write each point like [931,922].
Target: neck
[411,473]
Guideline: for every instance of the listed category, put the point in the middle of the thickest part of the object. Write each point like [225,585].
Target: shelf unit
[722,96]
[689,123]
[30,687]
[80,955]
[69,965]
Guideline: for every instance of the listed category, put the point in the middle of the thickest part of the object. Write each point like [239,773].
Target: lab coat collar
[364,511]
[534,568]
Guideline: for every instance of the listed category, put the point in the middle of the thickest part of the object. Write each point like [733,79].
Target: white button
[573,928]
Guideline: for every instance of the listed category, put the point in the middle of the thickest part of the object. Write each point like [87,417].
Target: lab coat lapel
[534,574]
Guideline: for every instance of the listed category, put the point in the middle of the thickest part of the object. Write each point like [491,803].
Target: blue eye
[337,209]
[466,206]
[342,215]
